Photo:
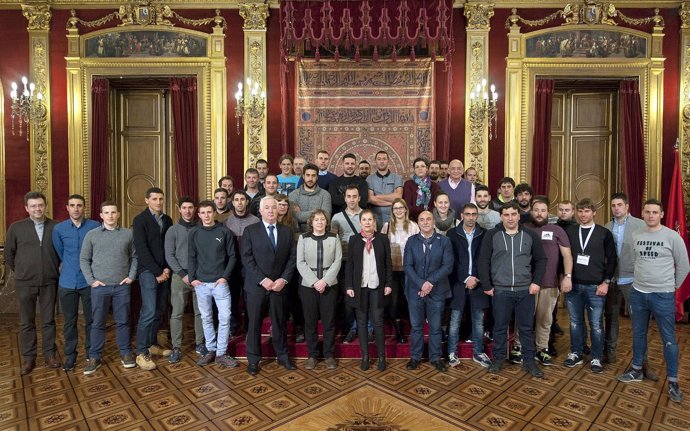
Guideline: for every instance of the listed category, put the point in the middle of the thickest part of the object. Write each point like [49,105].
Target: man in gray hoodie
[309,196]
[512,263]
[177,256]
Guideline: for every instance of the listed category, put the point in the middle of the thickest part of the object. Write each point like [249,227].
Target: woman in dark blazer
[368,281]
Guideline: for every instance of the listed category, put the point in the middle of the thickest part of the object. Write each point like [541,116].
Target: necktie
[272,236]
[427,254]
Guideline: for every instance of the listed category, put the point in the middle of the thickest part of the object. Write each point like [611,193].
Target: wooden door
[141,151]
[584,149]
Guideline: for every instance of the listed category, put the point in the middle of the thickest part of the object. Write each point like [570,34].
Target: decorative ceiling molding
[274,4]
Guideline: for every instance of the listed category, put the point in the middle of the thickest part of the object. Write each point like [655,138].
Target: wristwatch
[607,281]
[569,275]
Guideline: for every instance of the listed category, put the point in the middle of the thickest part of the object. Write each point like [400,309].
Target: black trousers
[371,305]
[315,304]
[27,296]
[69,304]
[276,309]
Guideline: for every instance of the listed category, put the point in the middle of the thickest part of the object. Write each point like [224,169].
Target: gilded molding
[41,176]
[254,15]
[477,142]
[684,123]
[38,16]
[479,15]
[684,13]
[3,182]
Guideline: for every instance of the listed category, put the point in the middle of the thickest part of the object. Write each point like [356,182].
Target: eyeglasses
[398,208]
[283,204]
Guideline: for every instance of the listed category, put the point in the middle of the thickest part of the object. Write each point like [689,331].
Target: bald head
[455,170]
[426,223]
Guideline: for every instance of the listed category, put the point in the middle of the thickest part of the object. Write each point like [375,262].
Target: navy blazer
[458,240]
[440,266]
[261,261]
[149,242]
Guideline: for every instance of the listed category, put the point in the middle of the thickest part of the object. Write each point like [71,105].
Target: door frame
[209,71]
[521,76]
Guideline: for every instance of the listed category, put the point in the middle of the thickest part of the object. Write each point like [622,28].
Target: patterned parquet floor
[184,396]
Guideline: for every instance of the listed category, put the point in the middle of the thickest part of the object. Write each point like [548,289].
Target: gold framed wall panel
[3,182]
[210,114]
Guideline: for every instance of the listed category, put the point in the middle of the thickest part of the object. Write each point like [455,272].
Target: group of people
[311,245]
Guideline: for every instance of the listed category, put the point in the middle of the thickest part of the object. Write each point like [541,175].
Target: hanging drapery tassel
[394,54]
[336,55]
[412,57]
[375,56]
[357,58]
[317,55]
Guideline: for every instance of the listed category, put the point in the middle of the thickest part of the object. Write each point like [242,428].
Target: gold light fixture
[27,106]
[252,108]
[484,106]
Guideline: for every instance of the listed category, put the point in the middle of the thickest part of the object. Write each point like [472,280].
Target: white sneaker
[453,360]
[145,363]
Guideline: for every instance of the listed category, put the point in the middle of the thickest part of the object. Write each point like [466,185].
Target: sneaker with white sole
[482,359]
[145,363]
[632,375]
[128,360]
[596,366]
[573,360]
[515,356]
[544,358]
[674,392]
[453,360]
[92,365]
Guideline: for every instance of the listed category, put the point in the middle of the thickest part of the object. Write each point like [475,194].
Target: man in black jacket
[466,239]
[269,257]
[594,264]
[511,267]
[339,185]
[30,254]
[153,272]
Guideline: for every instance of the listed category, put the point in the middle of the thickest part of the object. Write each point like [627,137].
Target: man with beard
[270,189]
[459,190]
[556,245]
[364,169]
[309,196]
[434,170]
[471,175]
[488,218]
[220,200]
[298,165]
[262,167]
[443,172]
[340,184]
[523,195]
[384,187]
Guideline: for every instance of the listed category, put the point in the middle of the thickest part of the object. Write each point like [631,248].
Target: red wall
[14,53]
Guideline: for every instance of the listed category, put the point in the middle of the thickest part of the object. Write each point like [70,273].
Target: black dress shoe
[253,369]
[413,364]
[364,366]
[28,366]
[382,364]
[440,366]
[287,364]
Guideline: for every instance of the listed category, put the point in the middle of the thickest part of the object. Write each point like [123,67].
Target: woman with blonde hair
[398,230]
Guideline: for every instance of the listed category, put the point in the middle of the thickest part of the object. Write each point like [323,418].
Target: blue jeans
[101,298]
[585,296]
[505,302]
[206,293]
[154,299]
[421,308]
[662,306]
[477,330]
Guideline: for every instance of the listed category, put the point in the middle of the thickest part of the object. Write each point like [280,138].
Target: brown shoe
[28,367]
[52,362]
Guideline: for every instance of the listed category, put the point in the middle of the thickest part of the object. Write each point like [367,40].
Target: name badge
[582,259]
[547,236]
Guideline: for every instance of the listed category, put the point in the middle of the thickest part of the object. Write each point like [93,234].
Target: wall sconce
[252,109]
[27,106]
[483,108]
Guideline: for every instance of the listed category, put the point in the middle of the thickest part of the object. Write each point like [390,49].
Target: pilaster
[478,16]
[254,14]
[684,102]
[38,17]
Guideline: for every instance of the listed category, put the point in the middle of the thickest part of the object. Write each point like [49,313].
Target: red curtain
[183,99]
[631,138]
[99,144]
[541,143]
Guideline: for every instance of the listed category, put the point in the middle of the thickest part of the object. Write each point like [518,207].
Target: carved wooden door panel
[141,151]
[584,152]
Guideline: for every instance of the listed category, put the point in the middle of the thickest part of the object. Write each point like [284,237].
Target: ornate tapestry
[347,107]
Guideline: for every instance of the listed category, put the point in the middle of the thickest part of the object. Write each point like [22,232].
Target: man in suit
[268,256]
[154,273]
[428,263]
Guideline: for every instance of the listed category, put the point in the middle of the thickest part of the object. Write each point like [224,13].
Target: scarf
[444,225]
[423,191]
[369,241]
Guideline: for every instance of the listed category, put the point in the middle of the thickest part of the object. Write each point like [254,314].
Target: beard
[538,223]
[482,205]
[433,176]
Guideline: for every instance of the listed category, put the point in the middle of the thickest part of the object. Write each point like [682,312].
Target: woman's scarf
[444,225]
[369,241]
[423,191]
